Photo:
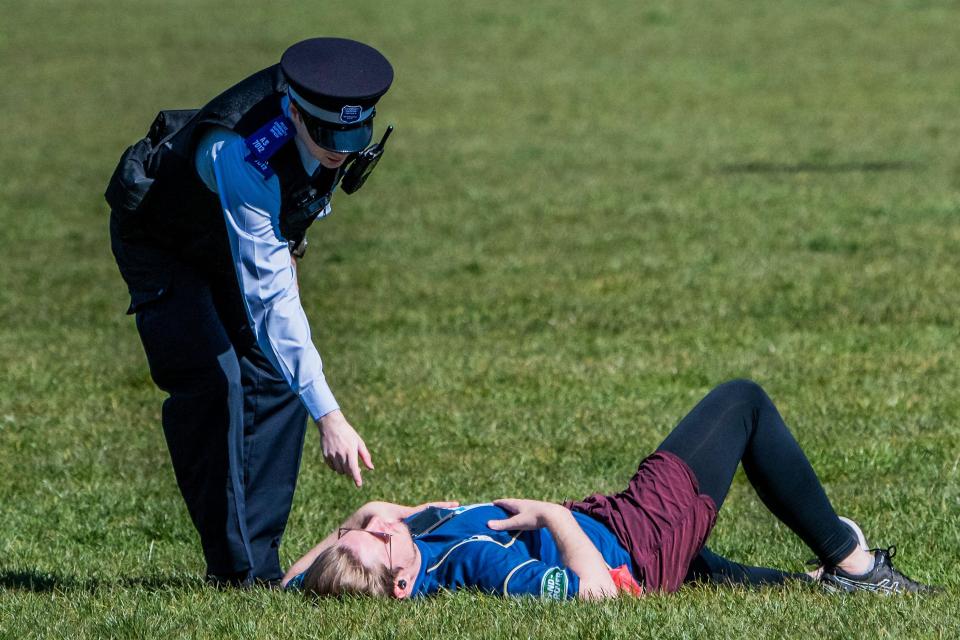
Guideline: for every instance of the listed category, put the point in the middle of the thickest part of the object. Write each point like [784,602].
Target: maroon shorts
[661,518]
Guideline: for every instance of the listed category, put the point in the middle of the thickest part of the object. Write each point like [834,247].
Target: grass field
[590,214]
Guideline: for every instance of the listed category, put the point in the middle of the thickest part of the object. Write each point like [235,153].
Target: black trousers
[234,428]
[737,423]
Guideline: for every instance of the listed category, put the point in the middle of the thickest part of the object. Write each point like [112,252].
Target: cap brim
[345,140]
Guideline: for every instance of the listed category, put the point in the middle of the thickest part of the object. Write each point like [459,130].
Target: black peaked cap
[333,72]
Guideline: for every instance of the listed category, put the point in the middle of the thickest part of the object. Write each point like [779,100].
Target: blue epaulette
[266,141]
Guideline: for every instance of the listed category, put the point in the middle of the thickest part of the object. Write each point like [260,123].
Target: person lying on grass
[649,537]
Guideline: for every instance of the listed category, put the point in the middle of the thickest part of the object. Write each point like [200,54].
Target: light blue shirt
[261,258]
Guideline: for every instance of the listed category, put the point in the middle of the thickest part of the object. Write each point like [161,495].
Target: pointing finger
[365,455]
[354,469]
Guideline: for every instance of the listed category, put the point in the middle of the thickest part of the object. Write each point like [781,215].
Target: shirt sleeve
[509,571]
[265,271]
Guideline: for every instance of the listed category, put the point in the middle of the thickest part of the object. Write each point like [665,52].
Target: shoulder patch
[553,585]
[262,166]
[266,141]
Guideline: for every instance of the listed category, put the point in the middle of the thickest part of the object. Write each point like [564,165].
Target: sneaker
[883,578]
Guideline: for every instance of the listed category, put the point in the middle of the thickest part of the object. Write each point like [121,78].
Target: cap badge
[350,114]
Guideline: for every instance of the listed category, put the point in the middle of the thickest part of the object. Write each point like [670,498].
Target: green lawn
[590,214]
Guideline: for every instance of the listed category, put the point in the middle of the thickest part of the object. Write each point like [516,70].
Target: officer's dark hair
[304,114]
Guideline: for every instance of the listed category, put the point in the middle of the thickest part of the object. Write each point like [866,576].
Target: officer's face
[329,159]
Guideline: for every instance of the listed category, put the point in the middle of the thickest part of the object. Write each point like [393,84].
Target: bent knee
[742,390]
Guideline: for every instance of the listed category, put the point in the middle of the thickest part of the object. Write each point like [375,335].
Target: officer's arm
[267,277]
[251,206]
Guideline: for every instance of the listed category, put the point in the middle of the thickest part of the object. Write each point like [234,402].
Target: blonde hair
[337,571]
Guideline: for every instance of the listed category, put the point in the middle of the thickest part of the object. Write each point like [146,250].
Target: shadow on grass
[43,582]
[818,167]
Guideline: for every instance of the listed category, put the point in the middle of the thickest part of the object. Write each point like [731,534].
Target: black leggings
[737,423]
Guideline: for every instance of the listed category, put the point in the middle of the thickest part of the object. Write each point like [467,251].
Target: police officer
[208,215]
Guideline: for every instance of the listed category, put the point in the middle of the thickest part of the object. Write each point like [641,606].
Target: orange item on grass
[625,581]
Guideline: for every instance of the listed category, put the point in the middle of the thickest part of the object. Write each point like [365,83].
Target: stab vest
[158,198]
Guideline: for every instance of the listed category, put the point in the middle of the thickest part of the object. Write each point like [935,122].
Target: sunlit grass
[589,215]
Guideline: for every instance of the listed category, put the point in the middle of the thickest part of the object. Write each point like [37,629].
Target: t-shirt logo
[350,114]
[554,584]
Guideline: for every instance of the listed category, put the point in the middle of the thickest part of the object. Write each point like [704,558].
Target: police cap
[337,82]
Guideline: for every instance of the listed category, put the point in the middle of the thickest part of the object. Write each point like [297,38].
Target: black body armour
[159,201]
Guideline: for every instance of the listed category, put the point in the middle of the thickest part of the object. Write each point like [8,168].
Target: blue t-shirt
[463,552]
